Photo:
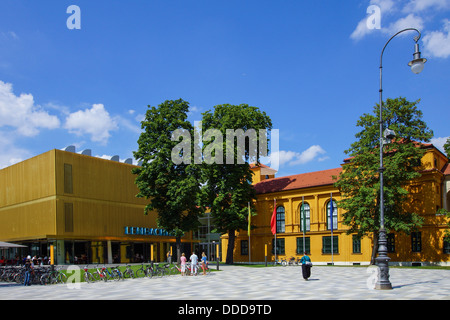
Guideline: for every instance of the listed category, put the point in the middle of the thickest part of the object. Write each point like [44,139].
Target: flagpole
[331,221]
[302,215]
[249,236]
[274,208]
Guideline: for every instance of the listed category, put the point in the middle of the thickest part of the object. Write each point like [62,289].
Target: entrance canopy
[6,245]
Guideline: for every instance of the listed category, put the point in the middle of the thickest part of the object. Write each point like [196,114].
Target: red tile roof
[446,169]
[298,181]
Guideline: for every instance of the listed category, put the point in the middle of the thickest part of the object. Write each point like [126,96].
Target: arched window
[335,216]
[305,217]
[280,219]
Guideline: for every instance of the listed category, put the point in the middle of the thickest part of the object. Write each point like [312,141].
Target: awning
[6,245]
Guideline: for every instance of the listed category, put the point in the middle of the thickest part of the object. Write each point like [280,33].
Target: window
[280,219]
[356,244]
[447,245]
[326,244]
[305,222]
[391,243]
[68,217]
[416,241]
[68,184]
[307,247]
[335,214]
[244,247]
[280,246]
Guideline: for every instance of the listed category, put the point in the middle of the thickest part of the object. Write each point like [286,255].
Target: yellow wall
[425,198]
[27,199]
[103,195]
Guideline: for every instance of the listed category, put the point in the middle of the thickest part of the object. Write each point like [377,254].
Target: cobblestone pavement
[245,283]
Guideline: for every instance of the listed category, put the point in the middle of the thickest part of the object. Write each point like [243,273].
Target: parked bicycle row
[291,262]
[39,275]
[45,275]
[144,271]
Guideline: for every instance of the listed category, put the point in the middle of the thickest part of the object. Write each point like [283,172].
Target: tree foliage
[447,147]
[359,182]
[228,187]
[172,188]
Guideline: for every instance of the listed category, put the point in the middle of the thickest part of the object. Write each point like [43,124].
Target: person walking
[183,264]
[194,261]
[306,266]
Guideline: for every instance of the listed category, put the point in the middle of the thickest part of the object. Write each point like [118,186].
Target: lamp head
[418,63]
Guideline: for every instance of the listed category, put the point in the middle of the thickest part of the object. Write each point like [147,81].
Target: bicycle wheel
[88,277]
[117,275]
[44,279]
[114,276]
[160,273]
[173,271]
[96,276]
[149,272]
[62,278]
[128,274]
[140,273]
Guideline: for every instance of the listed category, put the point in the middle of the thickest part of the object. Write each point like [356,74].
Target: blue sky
[312,66]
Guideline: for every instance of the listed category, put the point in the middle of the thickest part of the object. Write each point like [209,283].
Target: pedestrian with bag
[306,266]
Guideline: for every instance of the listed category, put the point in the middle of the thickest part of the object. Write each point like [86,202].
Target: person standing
[306,266]
[204,261]
[28,271]
[183,264]
[194,261]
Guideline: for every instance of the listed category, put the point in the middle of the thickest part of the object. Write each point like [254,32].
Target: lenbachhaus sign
[147,231]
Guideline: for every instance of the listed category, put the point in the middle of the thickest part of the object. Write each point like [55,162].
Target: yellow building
[86,207]
[316,190]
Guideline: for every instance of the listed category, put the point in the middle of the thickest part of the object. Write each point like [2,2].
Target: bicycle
[292,262]
[88,276]
[53,277]
[175,270]
[116,271]
[128,273]
[111,274]
[100,274]
[144,272]
[160,271]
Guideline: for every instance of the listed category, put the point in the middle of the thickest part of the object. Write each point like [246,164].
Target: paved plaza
[245,283]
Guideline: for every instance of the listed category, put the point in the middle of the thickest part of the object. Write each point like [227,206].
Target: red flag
[273,221]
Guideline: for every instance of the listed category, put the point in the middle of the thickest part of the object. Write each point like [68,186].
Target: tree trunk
[374,248]
[230,248]
[178,243]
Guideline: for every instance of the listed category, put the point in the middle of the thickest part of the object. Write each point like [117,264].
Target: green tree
[172,188]
[447,147]
[228,187]
[359,182]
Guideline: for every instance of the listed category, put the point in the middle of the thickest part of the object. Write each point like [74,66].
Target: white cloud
[410,21]
[21,113]
[437,43]
[294,158]
[9,153]
[95,122]
[439,142]
[399,15]
[422,5]
[361,30]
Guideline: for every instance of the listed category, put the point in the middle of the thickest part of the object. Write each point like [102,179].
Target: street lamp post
[382,260]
